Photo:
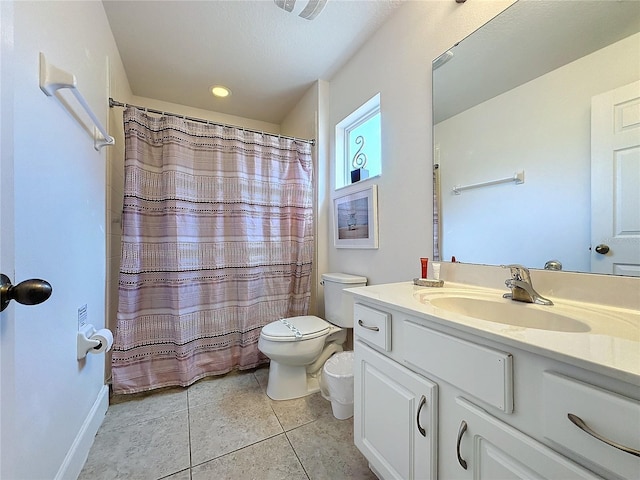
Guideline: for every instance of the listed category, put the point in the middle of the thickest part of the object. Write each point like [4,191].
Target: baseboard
[79,451]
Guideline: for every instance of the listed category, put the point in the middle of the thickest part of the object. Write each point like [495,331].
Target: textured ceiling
[176,50]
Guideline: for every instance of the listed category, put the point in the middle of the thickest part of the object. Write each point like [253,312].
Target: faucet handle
[521,288]
[519,272]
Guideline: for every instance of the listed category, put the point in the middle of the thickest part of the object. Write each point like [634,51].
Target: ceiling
[176,50]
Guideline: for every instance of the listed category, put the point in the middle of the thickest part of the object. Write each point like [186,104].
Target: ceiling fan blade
[313,9]
[285,4]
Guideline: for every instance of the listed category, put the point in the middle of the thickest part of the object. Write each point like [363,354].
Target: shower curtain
[217,241]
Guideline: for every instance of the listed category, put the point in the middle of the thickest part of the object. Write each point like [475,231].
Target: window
[358,146]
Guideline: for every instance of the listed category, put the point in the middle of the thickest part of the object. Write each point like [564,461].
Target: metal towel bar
[518,178]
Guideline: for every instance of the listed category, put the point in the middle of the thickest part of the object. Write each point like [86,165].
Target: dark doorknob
[29,292]
[602,249]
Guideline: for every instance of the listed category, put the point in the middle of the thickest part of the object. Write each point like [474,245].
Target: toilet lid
[296,328]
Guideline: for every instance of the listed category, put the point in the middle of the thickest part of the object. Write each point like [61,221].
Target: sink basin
[505,311]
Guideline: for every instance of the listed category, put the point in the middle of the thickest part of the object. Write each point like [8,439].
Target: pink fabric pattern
[217,242]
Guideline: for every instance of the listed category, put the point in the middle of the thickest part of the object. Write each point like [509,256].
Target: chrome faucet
[521,287]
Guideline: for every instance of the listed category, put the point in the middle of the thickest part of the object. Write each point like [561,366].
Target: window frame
[355,119]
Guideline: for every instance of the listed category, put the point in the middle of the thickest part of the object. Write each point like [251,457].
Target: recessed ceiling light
[220,91]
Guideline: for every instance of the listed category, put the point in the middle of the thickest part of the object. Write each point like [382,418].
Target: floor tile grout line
[263,393]
[297,456]
[281,418]
[237,450]
[152,419]
[140,422]
[174,473]
[133,422]
[272,403]
[285,433]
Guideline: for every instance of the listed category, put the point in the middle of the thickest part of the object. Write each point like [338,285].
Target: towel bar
[518,178]
[53,79]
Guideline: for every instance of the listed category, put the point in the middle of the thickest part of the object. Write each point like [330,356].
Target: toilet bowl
[299,346]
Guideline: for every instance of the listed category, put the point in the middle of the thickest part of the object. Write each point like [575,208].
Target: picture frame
[355,217]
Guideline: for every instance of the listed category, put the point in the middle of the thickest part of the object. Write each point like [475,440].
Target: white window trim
[370,108]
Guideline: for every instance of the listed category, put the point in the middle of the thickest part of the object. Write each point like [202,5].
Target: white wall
[547,217]
[304,121]
[119,90]
[396,62]
[56,402]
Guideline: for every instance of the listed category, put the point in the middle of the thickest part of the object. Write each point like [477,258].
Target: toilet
[299,346]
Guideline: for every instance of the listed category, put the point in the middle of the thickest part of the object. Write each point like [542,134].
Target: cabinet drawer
[495,450]
[373,326]
[485,373]
[610,415]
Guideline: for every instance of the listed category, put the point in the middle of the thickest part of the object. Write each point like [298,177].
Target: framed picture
[355,218]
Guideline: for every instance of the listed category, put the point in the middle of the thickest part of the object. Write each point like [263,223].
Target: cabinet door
[395,417]
[490,449]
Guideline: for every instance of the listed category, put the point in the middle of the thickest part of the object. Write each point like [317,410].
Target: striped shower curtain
[217,241]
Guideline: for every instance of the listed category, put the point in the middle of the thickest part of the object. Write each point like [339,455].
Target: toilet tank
[338,307]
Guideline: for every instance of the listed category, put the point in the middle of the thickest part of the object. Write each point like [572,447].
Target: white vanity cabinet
[495,411]
[395,409]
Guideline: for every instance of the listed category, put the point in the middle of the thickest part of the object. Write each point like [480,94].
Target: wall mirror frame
[512,121]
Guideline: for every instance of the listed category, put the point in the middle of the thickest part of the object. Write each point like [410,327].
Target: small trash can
[337,377]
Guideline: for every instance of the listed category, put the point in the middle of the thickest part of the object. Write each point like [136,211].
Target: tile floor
[223,428]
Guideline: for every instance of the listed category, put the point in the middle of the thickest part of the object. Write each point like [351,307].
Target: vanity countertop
[610,343]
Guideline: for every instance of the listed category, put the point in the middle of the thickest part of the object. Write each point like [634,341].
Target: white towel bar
[518,178]
[52,79]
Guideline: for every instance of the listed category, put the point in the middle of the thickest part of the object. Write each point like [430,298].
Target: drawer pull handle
[368,327]
[463,428]
[423,402]
[578,422]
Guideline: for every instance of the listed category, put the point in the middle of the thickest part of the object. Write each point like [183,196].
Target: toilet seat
[294,329]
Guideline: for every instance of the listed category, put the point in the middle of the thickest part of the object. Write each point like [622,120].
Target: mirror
[512,132]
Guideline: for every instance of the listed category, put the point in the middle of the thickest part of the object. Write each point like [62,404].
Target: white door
[12,320]
[7,332]
[615,181]
[52,216]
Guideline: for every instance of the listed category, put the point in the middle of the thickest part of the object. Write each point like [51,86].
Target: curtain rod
[115,103]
